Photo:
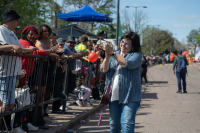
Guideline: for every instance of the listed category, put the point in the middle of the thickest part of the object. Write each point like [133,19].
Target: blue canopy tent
[84,14]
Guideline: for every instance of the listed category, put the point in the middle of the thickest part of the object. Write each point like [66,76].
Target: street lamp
[152,37]
[136,7]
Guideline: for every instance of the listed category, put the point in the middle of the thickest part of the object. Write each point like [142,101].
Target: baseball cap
[10,15]
[61,41]
[180,51]
[84,39]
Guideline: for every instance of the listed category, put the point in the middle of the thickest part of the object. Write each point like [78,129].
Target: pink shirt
[83,68]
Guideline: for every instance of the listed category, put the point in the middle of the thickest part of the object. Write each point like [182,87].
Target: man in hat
[10,66]
[71,52]
[181,70]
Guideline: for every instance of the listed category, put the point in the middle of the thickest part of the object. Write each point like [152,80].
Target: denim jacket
[129,77]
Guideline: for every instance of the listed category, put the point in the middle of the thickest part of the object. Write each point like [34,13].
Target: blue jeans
[122,115]
[7,89]
[179,77]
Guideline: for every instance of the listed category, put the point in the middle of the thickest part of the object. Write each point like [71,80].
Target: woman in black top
[144,70]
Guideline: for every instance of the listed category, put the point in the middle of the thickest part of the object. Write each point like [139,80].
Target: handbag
[22,95]
[106,96]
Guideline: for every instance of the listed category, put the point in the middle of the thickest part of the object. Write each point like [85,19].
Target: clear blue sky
[178,16]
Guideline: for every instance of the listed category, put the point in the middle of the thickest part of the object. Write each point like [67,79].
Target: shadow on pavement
[149,96]
[158,82]
[193,93]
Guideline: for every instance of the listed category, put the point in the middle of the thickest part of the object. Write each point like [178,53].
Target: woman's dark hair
[24,35]
[144,57]
[135,40]
[40,30]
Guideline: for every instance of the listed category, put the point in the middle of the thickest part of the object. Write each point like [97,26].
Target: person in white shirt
[10,66]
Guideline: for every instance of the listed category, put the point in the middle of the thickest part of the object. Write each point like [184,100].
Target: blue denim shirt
[129,77]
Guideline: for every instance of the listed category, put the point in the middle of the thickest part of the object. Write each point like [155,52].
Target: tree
[160,39]
[197,38]
[140,19]
[31,11]
[190,37]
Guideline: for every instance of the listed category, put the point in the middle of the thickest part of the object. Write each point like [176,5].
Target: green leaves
[160,40]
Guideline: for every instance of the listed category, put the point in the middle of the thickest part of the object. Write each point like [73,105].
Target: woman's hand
[23,73]
[108,48]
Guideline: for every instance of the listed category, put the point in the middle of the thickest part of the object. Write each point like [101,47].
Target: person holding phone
[123,70]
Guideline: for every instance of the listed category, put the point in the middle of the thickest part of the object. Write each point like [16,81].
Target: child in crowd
[87,91]
[81,80]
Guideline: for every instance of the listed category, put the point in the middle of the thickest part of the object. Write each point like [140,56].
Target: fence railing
[43,81]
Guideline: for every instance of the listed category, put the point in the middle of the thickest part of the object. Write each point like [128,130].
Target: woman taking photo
[126,80]
[144,70]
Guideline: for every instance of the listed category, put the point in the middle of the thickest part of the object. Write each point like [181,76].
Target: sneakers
[17,130]
[184,91]
[79,103]
[67,108]
[179,92]
[31,127]
[146,85]
[63,96]
[78,89]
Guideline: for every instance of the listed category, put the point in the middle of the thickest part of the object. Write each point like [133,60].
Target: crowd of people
[45,73]
[123,69]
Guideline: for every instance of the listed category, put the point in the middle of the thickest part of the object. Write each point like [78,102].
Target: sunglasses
[125,43]
[72,42]
[90,45]
[33,35]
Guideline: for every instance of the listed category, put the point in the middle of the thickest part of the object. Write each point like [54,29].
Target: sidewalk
[59,123]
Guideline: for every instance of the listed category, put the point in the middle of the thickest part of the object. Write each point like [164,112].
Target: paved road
[161,110]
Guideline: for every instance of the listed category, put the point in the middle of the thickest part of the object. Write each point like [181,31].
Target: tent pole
[71,30]
[117,29]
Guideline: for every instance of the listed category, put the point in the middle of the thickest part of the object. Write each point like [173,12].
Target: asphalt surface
[162,110]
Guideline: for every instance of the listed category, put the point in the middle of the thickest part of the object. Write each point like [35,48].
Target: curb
[77,120]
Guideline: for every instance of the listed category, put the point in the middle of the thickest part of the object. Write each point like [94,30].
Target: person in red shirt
[28,38]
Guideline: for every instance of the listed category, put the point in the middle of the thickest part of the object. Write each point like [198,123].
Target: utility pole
[136,7]
[117,29]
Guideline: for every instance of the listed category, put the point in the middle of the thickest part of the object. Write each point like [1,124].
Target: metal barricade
[44,82]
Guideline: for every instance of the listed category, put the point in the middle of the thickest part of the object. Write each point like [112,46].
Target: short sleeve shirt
[67,50]
[9,65]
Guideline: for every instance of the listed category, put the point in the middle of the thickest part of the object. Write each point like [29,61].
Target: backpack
[181,67]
